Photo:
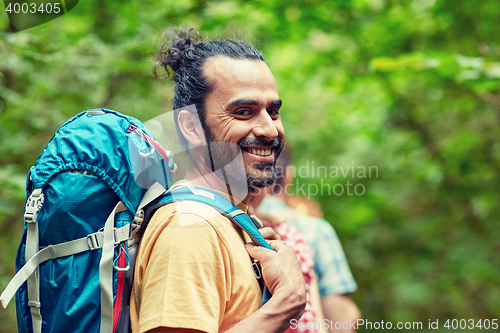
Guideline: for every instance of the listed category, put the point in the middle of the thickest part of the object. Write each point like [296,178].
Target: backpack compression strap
[186,191]
[92,241]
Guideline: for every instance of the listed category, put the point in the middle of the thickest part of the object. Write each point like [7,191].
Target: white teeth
[260,152]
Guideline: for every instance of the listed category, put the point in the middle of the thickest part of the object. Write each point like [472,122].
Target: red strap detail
[119,291]
[133,128]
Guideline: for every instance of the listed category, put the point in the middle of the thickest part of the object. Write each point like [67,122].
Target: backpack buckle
[257,269]
[35,304]
[33,206]
[258,223]
[93,241]
[137,222]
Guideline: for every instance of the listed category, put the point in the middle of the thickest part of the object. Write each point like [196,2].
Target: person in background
[304,206]
[335,280]
[313,312]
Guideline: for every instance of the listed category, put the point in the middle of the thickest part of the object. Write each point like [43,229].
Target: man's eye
[274,113]
[243,112]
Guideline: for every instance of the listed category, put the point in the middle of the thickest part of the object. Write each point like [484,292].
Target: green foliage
[409,87]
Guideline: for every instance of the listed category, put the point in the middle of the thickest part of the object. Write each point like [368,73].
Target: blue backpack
[87,196]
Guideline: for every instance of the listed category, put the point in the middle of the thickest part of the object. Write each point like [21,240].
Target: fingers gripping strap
[239,218]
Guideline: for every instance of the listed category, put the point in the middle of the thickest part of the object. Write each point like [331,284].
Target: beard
[227,157]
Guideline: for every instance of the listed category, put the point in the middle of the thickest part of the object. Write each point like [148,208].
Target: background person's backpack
[87,194]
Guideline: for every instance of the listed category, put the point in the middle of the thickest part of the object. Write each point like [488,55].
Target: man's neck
[216,181]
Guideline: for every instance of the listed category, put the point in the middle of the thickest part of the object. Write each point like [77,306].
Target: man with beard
[193,269]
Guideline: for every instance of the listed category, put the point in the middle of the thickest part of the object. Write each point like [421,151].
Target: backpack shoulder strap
[186,191]
[217,201]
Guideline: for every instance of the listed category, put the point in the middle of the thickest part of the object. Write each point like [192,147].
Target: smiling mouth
[258,152]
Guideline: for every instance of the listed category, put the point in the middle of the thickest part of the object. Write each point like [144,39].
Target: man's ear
[190,126]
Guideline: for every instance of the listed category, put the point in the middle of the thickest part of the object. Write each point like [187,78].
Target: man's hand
[269,234]
[281,272]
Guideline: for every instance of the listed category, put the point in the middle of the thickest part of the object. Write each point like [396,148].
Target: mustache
[260,142]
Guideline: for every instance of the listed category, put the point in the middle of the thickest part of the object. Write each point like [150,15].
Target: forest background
[409,86]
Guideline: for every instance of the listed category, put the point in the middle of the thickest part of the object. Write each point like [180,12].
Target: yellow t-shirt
[192,271]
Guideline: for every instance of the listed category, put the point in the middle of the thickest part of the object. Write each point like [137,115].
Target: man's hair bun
[176,46]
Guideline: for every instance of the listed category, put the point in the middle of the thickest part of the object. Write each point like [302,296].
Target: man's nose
[265,126]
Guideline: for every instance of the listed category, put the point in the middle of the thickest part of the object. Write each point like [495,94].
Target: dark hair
[183,50]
